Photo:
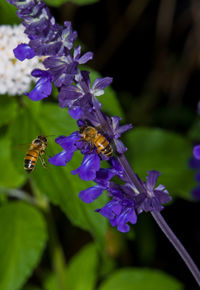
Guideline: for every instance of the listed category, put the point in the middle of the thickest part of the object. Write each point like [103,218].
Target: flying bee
[91,135]
[36,149]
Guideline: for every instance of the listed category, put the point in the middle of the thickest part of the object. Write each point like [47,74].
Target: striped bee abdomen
[103,145]
[30,160]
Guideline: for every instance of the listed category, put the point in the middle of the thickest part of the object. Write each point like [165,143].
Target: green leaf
[57,3]
[82,270]
[31,287]
[81,273]
[140,279]
[23,237]
[10,177]
[57,182]
[8,109]
[156,149]
[8,13]
[84,2]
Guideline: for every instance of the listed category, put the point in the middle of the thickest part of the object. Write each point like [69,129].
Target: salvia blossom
[15,76]
[196,152]
[76,93]
[195,165]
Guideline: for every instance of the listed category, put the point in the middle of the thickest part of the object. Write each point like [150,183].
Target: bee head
[82,129]
[42,139]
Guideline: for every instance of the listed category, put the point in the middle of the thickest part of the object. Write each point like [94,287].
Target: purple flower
[89,166]
[121,209]
[153,198]
[117,130]
[23,51]
[196,193]
[196,152]
[82,94]
[68,36]
[194,163]
[49,43]
[103,177]
[37,18]
[64,68]
[43,86]
[69,146]
[90,194]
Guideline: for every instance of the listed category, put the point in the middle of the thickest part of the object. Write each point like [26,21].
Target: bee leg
[43,162]
[91,147]
[81,139]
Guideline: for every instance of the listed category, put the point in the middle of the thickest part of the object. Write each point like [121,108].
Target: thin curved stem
[177,245]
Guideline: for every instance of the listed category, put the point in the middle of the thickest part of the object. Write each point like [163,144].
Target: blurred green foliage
[140,279]
[57,3]
[81,272]
[23,238]
[8,13]
[164,151]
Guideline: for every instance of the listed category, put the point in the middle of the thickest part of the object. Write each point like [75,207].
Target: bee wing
[22,147]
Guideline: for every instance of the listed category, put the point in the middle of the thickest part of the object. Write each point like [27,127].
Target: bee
[94,138]
[36,149]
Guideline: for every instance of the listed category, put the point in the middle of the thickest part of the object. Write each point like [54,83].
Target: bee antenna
[50,135]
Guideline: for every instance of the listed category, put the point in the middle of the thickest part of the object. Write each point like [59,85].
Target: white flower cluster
[15,75]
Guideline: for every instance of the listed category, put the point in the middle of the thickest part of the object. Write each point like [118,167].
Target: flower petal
[101,83]
[89,166]
[23,51]
[85,57]
[120,147]
[196,152]
[68,143]
[152,179]
[42,90]
[90,194]
[75,113]
[61,158]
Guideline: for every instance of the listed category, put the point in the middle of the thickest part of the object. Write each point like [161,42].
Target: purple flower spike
[196,152]
[90,194]
[89,166]
[23,51]
[43,86]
